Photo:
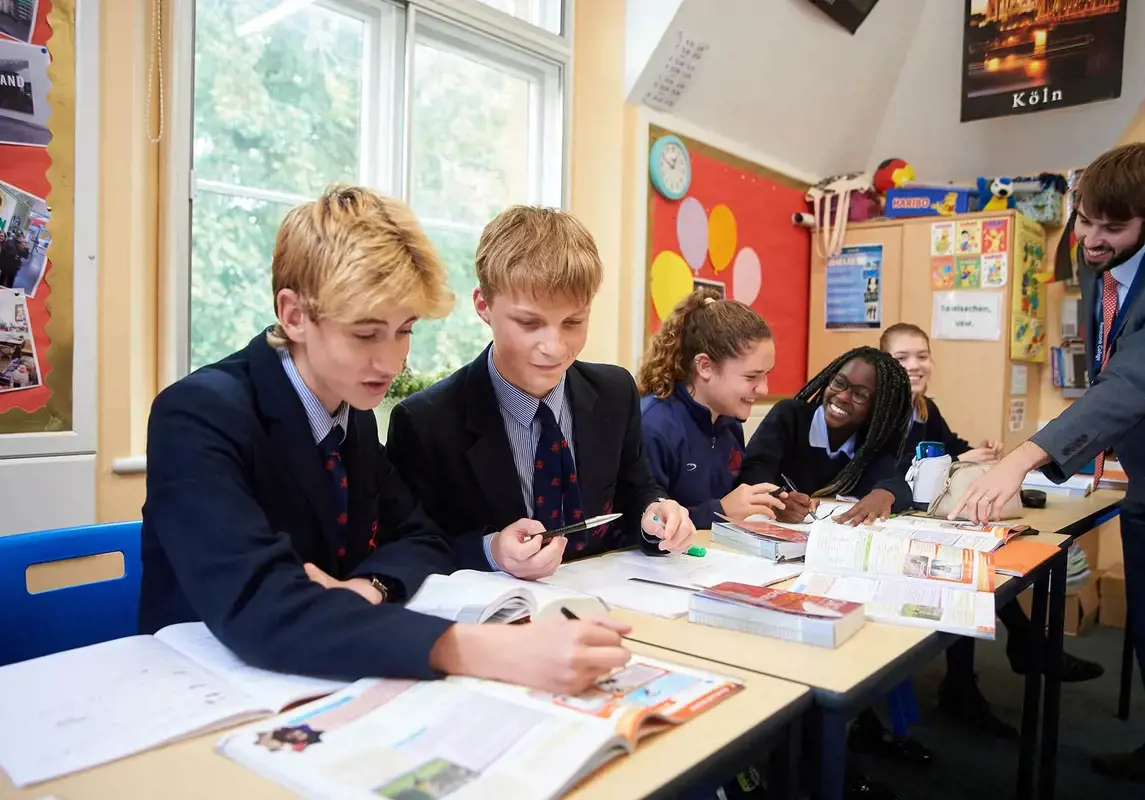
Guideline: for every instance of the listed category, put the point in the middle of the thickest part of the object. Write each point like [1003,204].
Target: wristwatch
[383,590]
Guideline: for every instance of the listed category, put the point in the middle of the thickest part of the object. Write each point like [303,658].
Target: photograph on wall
[1022,56]
[19,367]
[853,293]
[24,239]
[18,19]
[718,286]
[848,13]
[23,94]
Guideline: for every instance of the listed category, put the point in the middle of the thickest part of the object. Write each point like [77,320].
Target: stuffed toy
[996,194]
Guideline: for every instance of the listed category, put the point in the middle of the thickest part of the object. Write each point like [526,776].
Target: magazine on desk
[77,709]
[900,579]
[468,738]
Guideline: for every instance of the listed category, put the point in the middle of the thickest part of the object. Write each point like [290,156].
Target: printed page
[402,739]
[983,538]
[469,596]
[866,551]
[77,709]
[909,603]
[610,578]
[273,690]
[827,509]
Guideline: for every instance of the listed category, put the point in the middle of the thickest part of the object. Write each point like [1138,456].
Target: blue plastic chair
[33,625]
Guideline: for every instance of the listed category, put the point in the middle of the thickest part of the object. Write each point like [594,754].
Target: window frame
[504,41]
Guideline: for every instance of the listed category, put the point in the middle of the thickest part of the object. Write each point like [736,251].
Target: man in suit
[527,430]
[1110,232]
[274,516]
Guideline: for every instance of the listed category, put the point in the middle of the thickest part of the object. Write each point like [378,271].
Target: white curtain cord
[155,70]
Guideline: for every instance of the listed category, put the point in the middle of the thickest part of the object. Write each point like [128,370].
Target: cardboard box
[1082,604]
[1113,597]
[1090,543]
[927,201]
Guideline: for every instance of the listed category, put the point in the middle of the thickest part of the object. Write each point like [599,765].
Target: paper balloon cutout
[692,232]
[671,282]
[721,237]
[747,276]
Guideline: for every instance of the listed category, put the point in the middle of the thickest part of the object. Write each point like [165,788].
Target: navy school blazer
[449,444]
[237,501]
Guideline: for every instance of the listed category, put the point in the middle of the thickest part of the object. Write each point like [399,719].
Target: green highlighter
[697,551]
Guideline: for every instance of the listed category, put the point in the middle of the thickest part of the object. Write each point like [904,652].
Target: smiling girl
[842,434]
[704,369]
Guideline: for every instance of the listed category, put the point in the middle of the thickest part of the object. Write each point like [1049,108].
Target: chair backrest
[47,622]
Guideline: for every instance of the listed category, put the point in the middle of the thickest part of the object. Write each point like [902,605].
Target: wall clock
[670,167]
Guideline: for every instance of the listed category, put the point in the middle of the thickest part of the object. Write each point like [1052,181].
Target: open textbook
[983,538]
[901,579]
[80,708]
[663,585]
[471,596]
[467,738]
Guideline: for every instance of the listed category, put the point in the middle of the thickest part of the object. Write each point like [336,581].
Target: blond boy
[272,513]
[526,430]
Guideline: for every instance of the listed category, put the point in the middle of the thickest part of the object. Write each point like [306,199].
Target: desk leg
[1047,773]
[783,766]
[831,761]
[1028,743]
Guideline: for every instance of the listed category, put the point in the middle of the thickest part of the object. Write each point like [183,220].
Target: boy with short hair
[272,513]
[527,430]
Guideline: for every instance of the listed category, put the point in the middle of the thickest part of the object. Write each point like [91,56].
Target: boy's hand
[669,521]
[554,654]
[356,585]
[746,500]
[875,507]
[520,551]
[796,507]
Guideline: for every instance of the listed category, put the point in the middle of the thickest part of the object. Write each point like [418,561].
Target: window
[460,119]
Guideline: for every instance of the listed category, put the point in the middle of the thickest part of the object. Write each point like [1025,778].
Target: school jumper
[239,496]
[695,459]
[792,441]
[466,446]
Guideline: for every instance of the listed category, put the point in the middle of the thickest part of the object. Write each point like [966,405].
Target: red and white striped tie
[1108,312]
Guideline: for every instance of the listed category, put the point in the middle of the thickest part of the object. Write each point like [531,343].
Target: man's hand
[746,500]
[875,507]
[356,585]
[796,507]
[554,654]
[669,521]
[986,497]
[519,550]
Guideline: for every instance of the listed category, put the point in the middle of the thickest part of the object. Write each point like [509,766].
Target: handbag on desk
[958,480]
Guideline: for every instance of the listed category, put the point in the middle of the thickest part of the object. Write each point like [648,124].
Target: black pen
[568,614]
[577,527]
[787,482]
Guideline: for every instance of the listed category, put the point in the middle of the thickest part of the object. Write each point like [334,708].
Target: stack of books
[760,539]
[767,611]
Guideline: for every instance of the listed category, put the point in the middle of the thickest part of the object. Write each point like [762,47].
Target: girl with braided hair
[704,369]
[842,434]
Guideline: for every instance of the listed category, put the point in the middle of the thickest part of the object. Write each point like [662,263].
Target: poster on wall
[1028,309]
[731,231]
[1022,56]
[17,19]
[848,13]
[853,294]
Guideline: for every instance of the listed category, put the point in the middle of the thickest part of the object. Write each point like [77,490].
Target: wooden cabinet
[971,379]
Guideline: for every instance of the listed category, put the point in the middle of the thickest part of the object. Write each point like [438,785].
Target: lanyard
[1099,337]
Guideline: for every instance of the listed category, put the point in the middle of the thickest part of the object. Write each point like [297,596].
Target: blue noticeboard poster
[854,288]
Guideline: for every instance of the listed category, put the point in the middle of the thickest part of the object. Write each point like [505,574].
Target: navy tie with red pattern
[556,493]
[339,483]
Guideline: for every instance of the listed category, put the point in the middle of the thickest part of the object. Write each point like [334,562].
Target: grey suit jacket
[1111,412]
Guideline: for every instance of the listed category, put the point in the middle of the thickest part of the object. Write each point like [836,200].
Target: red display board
[733,230]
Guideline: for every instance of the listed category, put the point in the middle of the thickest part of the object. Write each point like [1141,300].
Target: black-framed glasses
[823,512]
[860,395]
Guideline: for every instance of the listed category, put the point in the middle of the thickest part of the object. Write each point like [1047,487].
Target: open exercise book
[901,578]
[73,710]
[466,738]
[471,596]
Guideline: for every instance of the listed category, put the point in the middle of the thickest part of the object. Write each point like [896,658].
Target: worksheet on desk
[677,577]
[827,508]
